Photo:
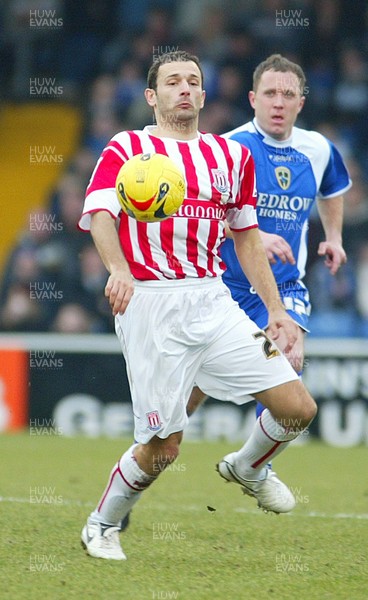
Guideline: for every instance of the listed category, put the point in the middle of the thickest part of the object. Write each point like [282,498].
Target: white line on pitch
[195,507]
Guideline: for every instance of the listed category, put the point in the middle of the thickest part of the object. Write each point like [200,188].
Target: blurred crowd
[99,53]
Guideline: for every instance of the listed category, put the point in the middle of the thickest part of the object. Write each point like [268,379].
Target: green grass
[176,547]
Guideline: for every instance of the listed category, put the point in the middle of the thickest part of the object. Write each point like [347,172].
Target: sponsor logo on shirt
[201,209]
[281,206]
[291,158]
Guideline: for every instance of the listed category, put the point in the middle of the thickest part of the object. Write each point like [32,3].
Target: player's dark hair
[279,64]
[177,56]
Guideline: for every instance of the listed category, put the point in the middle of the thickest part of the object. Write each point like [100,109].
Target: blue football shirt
[290,175]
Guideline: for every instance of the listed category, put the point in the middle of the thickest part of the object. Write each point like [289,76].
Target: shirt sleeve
[335,180]
[100,194]
[242,214]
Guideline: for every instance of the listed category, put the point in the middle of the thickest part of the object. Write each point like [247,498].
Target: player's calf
[158,453]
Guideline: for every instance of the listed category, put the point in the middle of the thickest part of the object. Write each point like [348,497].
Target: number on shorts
[268,349]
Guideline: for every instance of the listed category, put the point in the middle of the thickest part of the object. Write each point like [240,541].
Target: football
[150,187]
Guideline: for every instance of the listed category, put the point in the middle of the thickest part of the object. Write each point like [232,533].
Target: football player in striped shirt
[175,319]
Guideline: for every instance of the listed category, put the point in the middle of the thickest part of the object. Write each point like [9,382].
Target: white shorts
[179,333]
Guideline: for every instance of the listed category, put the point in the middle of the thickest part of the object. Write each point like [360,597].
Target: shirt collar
[270,141]
[150,129]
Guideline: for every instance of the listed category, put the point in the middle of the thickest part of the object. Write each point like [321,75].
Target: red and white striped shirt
[220,184]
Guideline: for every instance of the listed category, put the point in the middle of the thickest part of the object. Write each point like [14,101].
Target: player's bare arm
[331,214]
[119,288]
[253,260]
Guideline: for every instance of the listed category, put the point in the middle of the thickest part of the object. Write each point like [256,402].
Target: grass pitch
[192,536]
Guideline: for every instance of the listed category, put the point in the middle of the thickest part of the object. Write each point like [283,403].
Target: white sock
[267,440]
[124,488]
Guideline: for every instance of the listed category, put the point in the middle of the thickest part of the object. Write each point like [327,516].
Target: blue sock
[259,409]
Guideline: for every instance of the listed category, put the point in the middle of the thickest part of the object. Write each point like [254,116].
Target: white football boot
[270,493]
[102,541]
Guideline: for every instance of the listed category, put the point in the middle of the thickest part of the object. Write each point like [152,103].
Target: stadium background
[73,75]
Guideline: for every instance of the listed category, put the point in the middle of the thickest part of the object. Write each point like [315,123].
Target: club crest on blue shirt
[283,176]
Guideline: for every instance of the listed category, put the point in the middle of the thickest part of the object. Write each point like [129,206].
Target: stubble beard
[184,120]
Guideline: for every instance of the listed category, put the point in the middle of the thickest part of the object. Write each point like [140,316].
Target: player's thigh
[289,402]
[152,336]
[241,361]
[160,368]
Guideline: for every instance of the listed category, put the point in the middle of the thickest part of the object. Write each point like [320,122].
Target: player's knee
[308,409]
[301,411]
[298,420]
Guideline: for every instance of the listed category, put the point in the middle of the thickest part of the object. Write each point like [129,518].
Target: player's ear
[203,98]
[301,103]
[150,96]
[251,96]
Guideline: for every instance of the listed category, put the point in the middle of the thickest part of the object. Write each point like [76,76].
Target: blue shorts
[294,296]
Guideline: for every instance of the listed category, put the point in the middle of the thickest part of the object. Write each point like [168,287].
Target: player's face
[179,96]
[277,103]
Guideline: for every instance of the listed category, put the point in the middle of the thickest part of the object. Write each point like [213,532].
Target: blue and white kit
[290,175]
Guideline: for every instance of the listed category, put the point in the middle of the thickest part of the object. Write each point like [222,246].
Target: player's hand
[119,290]
[281,321]
[335,255]
[277,247]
